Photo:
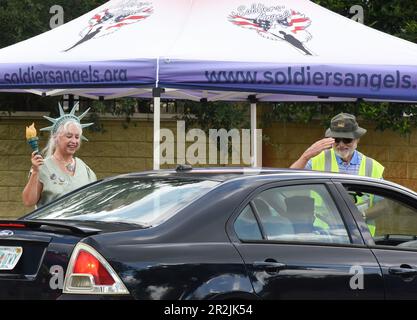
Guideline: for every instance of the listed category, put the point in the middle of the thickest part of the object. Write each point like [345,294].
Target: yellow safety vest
[326,161]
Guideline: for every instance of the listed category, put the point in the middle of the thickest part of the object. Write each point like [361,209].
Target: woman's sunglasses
[345,140]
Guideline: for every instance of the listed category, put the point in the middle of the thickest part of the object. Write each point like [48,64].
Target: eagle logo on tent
[112,19]
[275,23]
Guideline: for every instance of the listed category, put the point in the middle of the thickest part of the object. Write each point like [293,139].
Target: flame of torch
[30,131]
[31,138]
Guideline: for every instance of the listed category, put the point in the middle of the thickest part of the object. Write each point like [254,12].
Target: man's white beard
[344,155]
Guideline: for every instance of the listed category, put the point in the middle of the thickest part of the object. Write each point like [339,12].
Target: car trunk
[34,255]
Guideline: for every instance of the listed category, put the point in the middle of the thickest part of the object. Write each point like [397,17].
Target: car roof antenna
[183,167]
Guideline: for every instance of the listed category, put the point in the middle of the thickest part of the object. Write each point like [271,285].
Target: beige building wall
[120,150]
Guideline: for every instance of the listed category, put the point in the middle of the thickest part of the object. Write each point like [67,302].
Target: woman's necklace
[70,166]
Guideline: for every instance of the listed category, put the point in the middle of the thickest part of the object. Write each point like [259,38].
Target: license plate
[9,257]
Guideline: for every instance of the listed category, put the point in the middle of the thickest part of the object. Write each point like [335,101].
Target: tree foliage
[396,17]
[385,115]
[23,19]
[208,115]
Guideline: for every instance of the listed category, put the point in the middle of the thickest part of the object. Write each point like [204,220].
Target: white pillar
[156,128]
[254,146]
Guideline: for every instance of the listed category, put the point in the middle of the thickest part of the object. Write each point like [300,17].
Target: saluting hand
[317,147]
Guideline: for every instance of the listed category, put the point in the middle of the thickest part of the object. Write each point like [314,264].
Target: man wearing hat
[337,152]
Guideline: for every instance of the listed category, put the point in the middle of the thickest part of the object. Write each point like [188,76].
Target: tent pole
[254,147]
[156,92]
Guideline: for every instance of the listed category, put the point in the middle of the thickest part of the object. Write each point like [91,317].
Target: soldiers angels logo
[277,23]
[112,19]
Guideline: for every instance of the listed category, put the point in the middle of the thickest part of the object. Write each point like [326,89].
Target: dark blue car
[217,234]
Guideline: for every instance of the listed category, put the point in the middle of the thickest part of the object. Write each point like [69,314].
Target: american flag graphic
[114,20]
[254,24]
[297,21]
[288,25]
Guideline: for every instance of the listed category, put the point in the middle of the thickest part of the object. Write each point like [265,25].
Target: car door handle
[403,271]
[269,266]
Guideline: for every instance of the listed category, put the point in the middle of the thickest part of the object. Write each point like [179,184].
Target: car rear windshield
[144,201]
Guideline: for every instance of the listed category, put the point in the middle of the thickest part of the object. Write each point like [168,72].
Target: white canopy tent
[275,50]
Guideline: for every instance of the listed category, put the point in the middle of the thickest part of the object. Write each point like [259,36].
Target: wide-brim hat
[344,125]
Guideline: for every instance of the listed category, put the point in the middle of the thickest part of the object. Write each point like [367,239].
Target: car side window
[390,221]
[246,226]
[301,213]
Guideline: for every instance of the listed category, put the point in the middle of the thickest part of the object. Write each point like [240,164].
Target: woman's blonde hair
[53,139]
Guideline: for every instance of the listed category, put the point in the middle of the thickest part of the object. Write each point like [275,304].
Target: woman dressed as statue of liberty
[60,171]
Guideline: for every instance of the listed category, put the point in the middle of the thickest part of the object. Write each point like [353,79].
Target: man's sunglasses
[345,140]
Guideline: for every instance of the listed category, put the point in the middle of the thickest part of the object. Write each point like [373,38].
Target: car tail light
[89,273]
[86,263]
[12,225]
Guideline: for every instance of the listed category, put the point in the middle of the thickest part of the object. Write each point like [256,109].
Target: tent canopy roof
[281,50]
